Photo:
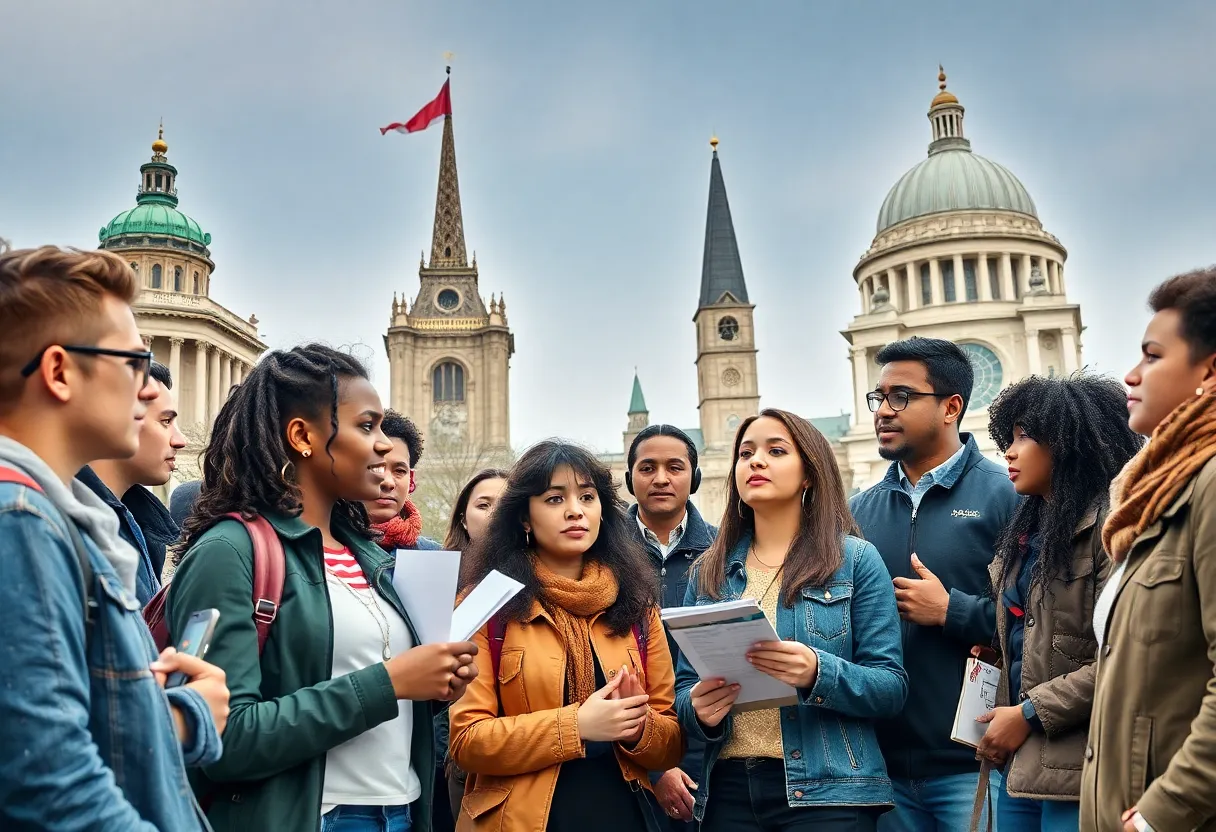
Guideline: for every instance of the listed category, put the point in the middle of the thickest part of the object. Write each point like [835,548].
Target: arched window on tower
[177,278]
[156,276]
[447,382]
[196,283]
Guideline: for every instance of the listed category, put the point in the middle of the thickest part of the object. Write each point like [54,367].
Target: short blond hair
[51,295]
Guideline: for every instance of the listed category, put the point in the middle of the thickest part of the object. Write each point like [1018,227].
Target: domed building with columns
[206,347]
[959,253]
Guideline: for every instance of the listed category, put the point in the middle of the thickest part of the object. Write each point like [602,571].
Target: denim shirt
[87,738]
[852,624]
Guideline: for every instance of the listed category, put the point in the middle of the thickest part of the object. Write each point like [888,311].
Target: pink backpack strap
[269,572]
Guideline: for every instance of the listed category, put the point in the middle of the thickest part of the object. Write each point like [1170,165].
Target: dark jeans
[749,796]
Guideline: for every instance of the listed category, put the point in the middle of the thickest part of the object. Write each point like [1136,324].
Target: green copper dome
[156,213]
[152,219]
[952,178]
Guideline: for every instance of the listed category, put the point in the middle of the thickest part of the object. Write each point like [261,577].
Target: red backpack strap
[18,478]
[269,570]
[498,634]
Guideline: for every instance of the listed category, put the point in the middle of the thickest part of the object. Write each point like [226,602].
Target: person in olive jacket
[1151,760]
[1065,439]
[330,727]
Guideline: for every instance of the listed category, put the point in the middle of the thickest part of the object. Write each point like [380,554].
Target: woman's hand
[433,671]
[1007,732]
[791,662]
[630,687]
[712,700]
[603,718]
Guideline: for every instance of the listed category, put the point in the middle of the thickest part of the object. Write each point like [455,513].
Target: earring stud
[306,453]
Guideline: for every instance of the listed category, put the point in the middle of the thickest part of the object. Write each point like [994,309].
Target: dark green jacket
[286,712]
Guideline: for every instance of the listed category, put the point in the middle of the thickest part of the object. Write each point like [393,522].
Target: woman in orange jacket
[574,704]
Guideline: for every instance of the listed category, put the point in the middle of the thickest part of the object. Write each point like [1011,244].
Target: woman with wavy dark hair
[574,700]
[787,539]
[330,723]
[1065,439]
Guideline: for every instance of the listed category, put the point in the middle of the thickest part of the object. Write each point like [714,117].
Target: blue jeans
[936,804]
[1018,814]
[367,819]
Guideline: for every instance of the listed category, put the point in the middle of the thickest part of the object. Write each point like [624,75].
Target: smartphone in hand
[196,638]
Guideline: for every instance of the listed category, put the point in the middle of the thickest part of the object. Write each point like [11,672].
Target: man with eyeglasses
[935,518]
[89,739]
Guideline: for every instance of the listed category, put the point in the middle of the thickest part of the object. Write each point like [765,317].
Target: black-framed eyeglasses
[140,361]
[898,399]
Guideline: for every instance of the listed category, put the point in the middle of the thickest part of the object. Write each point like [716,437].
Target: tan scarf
[572,604]
[1149,483]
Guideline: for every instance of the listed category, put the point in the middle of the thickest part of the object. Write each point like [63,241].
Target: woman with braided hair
[1151,758]
[1065,439]
[330,726]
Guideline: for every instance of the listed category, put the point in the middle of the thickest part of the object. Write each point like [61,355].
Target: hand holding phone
[196,638]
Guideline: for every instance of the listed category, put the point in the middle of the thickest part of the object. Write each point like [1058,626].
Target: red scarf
[402,531]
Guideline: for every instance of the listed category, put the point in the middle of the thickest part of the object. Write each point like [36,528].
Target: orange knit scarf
[572,604]
[1182,444]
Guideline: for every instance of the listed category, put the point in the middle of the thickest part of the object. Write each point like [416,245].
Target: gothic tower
[639,414]
[726,336]
[449,354]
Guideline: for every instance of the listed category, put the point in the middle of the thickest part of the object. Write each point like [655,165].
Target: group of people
[1085,570]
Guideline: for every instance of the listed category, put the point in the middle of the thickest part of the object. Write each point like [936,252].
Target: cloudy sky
[581,133]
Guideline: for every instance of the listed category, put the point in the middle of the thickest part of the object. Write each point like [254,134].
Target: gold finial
[943,97]
[713,142]
[447,60]
[159,146]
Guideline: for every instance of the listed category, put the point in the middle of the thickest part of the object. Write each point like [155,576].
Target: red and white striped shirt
[345,568]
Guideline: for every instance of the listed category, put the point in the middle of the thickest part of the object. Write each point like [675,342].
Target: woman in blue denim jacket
[785,540]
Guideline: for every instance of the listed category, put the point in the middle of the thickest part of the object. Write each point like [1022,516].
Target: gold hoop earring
[283,472]
[528,538]
[805,491]
[739,508]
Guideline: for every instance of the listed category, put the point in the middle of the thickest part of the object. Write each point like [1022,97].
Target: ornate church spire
[447,243]
[721,268]
[946,116]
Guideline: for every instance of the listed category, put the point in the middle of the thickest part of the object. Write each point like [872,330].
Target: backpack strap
[640,637]
[498,634]
[269,572]
[12,475]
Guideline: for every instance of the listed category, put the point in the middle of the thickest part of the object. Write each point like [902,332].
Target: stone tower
[726,336]
[449,353]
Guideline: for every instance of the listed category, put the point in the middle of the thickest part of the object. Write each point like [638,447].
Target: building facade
[449,352]
[206,347]
[960,253]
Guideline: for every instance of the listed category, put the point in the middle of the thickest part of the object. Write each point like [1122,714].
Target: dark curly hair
[396,426]
[248,450]
[1082,421]
[505,547]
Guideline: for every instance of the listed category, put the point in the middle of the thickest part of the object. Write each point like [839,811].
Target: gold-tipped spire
[942,97]
[159,147]
[713,142]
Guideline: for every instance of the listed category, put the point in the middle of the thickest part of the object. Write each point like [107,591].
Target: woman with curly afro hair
[1065,439]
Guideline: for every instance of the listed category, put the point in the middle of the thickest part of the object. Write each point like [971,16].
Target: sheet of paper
[425,581]
[479,606]
[719,650]
[977,697]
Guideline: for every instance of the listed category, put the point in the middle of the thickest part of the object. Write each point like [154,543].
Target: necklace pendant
[387,653]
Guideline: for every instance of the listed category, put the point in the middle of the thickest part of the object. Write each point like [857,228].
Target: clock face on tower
[988,375]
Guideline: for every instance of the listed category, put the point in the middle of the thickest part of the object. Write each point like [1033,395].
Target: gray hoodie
[94,518]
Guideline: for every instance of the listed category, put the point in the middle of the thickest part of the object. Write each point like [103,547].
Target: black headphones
[651,431]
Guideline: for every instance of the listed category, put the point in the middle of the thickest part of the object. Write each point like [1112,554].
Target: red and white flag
[441,106]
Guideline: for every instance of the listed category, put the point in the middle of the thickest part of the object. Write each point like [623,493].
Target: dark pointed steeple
[721,269]
[447,242]
[637,402]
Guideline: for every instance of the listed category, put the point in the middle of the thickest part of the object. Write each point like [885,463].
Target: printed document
[425,581]
[715,639]
[977,698]
[479,606]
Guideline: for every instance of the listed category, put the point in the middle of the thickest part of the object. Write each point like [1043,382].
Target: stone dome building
[959,253]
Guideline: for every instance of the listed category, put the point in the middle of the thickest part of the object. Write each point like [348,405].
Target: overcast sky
[581,137]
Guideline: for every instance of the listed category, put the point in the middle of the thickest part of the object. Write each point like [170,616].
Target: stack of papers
[426,582]
[715,639]
[977,698]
